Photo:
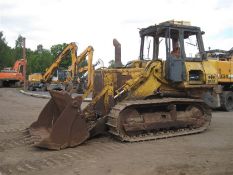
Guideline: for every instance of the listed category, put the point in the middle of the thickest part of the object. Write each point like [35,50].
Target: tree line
[37,61]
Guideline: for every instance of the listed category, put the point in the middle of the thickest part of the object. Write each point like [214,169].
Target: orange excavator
[13,77]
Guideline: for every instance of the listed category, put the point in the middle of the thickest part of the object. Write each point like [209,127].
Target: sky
[97,22]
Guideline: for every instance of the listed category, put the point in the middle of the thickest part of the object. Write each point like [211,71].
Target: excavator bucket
[61,123]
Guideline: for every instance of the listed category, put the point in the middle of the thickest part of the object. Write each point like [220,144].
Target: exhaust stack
[117,46]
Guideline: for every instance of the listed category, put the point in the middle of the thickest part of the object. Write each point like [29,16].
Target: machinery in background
[57,81]
[47,80]
[79,82]
[70,79]
[223,63]
[13,77]
[220,54]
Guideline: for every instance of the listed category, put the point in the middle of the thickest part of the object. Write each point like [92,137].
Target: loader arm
[121,93]
[135,82]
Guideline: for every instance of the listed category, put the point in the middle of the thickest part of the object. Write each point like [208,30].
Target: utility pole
[25,63]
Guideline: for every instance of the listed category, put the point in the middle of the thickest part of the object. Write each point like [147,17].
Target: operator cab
[176,41]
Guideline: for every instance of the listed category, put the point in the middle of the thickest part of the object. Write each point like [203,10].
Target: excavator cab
[176,41]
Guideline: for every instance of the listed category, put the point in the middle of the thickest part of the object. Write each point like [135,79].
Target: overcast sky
[97,22]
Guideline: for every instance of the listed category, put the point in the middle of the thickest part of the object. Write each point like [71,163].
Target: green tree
[18,52]
[38,61]
[56,50]
[6,59]
[111,64]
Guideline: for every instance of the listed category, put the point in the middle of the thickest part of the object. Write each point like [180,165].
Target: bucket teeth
[33,140]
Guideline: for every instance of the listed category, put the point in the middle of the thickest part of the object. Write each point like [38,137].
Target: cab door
[175,68]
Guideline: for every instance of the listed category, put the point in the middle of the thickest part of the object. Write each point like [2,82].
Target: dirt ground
[208,153]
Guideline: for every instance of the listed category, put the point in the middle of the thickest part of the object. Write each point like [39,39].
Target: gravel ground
[208,153]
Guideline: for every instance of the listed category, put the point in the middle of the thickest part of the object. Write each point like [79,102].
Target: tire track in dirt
[14,127]
[10,130]
[11,143]
[12,139]
[87,152]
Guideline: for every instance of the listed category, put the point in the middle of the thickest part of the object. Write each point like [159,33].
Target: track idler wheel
[61,123]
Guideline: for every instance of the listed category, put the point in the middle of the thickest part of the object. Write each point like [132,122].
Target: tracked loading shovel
[61,123]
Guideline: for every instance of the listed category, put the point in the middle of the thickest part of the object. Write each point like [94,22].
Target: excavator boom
[72,47]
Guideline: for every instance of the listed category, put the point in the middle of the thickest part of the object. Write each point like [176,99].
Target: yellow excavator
[42,81]
[77,67]
[162,94]
[223,63]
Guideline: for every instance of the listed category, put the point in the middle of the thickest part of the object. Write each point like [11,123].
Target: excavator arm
[87,54]
[72,47]
[78,67]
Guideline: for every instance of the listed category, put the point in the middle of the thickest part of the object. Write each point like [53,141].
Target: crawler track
[115,125]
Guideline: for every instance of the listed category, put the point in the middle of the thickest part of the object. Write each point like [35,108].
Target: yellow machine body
[225,71]
[35,77]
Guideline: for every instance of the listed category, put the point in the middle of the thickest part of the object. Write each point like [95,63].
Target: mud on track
[208,153]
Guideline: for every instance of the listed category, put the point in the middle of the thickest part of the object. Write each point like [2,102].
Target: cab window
[191,45]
